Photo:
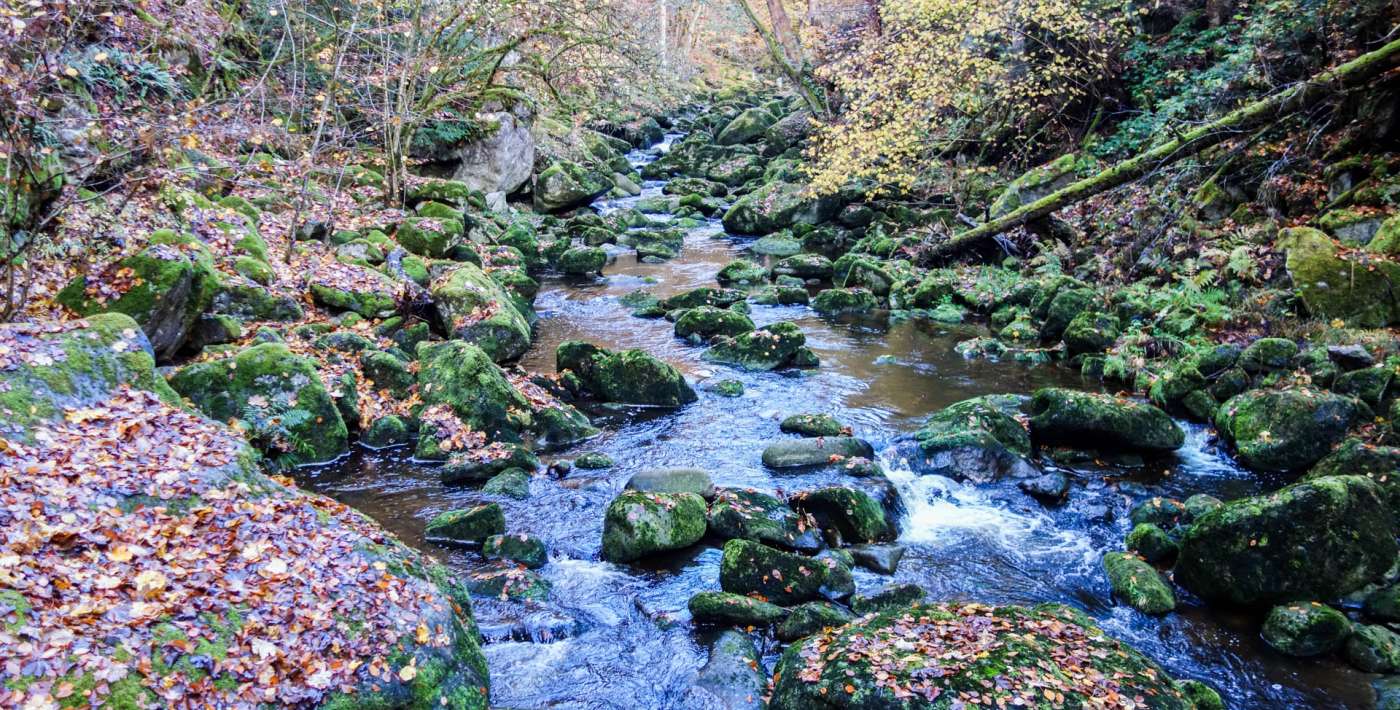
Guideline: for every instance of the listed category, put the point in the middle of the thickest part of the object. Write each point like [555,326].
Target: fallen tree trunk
[1346,76]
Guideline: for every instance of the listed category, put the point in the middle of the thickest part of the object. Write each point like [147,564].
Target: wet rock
[749,514]
[1318,539]
[812,425]
[514,483]
[1200,504]
[1284,430]
[628,377]
[779,245]
[729,609]
[707,322]
[592,461]
[733,677]
[1373,649]
[892,596]
[840,301]
[464,378]
[1306,629]
[1165,513]
[1152,543]
[883,559]
[278,398]
[749,567]
[507,581]
[1067,305]
[810,618]
[432,237]
[673,480]
[1138,583]
[976,440]
[1049,487]
[1025,652]
[840,582]
[1350,357]
[781,296]
[1384,604]
[467,525]
[1267,355]
[525,549]
[792,453]
[853,514]
[727,388]
[768,348]
[583,261]
[639,524]
[1357,458]
[1370,385]
[704,296]
[1099,421]
[1202,696]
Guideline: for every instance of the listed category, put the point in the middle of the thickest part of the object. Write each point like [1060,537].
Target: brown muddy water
[617,636]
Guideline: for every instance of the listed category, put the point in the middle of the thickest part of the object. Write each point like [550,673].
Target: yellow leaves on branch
[947,74]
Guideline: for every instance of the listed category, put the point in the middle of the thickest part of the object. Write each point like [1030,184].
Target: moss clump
[742,272]
[1152,543]
[593,460]
[462,376]
[812,425]
[639,524]
[514,483]
[776,206]
[583,261]
[1359,293]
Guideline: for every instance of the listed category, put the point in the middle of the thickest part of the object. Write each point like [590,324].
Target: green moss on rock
[639,524]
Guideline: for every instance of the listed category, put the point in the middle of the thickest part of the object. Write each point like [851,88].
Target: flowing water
[616,636]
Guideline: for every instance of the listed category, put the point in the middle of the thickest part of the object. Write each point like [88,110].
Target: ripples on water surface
[615,636]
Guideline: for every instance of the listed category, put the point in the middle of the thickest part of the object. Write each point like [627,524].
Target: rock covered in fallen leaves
[950,655]
[274,394]
[508,581]
[752,568]
[639,524]
[349,287]
[150,563]
[753,515]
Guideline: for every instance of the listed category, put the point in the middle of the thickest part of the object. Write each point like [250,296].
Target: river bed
[618,636]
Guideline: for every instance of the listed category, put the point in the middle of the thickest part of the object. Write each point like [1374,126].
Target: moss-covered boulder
[1152,543]
[850,513]
[1318,539]
[978,440]
[1373,649]
[742,272]
[840,301]
[1284,430]
[752,515]
[724,608]
[1362,292]
[639,524]
[1090,332]
[811,618]
[583,261]
[1067,305]
[771,347]
[706,322]
[783,578]
[467,525]
[628,377]
[794,453]
[463,378]
[164,287]
[1138,583]
[1099,421]
[1355,457]
[1042,180]
[890,596]
[1306,629]
[566,185]
[278,398]
[507,581]
[355,288]
[525,549]
[703,296]
[747,126]
[813,425]
[777,206]
[1267,355]
[512,483]
[883,661]
[431,237]
[475,308]
[804,266]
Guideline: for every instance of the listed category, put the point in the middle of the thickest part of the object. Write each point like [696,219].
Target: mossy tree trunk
[783,47]
[1350,75]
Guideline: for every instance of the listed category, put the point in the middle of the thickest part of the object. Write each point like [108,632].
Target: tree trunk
[799,74]
[1346,76]
[665,31]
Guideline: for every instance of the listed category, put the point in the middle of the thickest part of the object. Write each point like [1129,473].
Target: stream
[618,636]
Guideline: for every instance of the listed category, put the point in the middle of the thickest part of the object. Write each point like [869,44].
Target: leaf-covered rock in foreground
[953,655]
[149,562]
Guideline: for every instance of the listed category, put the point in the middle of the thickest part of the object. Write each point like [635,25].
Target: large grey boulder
[500,161]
